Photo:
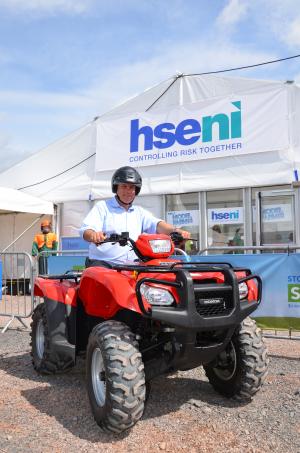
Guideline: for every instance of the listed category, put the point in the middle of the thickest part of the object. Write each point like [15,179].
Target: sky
[64,62]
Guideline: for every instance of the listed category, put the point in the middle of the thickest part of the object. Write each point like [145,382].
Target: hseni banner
[212,128]
[224,216]
[280,273]
[183,218]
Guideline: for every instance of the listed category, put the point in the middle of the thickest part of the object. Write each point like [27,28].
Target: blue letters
[136,132]
[169,137]
[187,132]
[187,127]
[294,279]
[222,120]
[233,215]
[236,121]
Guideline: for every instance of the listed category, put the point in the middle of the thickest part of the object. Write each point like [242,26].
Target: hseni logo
[226,215]
[187,132]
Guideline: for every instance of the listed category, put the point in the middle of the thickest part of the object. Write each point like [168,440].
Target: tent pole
[162,94]
[57,220]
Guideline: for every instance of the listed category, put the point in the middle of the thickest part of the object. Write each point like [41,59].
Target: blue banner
[280,274]
[62,264]
[73,243]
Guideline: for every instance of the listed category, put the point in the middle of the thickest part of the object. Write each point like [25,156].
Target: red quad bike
[136,322]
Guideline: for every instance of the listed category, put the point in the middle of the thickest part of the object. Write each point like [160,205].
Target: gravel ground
[183,413]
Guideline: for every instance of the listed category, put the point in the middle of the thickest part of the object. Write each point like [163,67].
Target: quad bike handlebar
[177,238]
[123,239]
[114,237]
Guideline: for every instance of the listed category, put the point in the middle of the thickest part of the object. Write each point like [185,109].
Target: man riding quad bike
[138,321]
[152,317]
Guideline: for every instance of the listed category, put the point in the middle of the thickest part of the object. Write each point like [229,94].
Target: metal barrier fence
[16,295]
[289,334]
[17,299]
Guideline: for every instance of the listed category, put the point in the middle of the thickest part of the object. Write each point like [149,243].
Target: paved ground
[52,414]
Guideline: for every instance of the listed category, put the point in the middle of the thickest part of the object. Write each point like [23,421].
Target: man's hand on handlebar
[185,234]
[166,228]
[97,237]
[179,239]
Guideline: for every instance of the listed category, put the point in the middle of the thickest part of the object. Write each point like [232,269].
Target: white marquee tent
[65,171]
[12,200]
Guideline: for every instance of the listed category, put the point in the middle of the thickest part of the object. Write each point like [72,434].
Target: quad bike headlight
[160,245]
[156,296]
[243,290]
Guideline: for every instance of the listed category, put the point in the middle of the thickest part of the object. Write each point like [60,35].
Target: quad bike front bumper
[202,306]
[201,330]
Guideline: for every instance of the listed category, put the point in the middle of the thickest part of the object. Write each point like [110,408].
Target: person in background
[119,214]
[236,241]
[45,240]
[191,248]
[237,238]
[218,238]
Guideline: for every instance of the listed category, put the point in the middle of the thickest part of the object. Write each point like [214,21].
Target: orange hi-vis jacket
[43,242]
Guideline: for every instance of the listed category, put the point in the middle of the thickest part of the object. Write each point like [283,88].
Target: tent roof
[12,200]
[70,170]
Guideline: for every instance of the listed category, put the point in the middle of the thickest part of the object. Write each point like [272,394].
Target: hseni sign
[187,132]
[212,128]
[225,215]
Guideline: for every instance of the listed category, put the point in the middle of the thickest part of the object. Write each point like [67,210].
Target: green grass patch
[78,268]
[278,323]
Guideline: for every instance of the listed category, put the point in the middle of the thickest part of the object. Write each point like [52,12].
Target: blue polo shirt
[109,217]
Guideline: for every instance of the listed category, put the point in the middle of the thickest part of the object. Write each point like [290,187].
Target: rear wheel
[44,360]
[240,370]
[115,377]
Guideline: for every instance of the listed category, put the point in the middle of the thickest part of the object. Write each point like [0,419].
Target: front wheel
[115,377]
[240,370]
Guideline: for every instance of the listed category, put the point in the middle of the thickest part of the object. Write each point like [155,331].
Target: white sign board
[275,213]
[183,218]
[202,130]
[228,216]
